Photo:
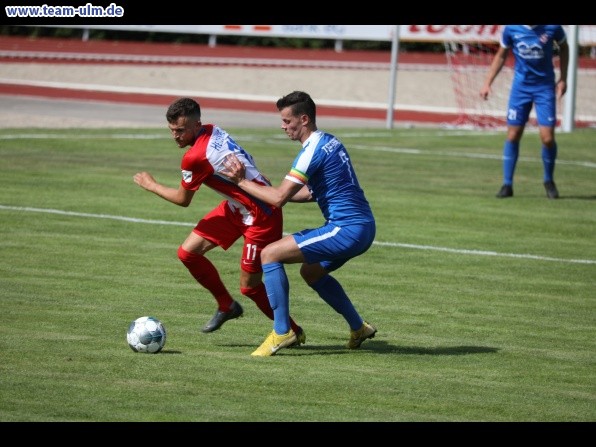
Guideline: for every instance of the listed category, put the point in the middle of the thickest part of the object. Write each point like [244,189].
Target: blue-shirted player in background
[533,84]
[321,172]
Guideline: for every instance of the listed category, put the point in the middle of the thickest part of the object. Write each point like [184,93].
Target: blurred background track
[346,85]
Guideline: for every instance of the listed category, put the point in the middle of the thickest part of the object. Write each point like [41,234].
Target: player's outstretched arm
[180,196]
[276,196]
[303,195]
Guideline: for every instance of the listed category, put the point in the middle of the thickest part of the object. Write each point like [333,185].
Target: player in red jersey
[238,215]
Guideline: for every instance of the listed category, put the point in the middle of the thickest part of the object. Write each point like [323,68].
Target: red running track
[75,51]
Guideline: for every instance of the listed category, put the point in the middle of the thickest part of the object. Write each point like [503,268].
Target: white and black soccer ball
[146,334]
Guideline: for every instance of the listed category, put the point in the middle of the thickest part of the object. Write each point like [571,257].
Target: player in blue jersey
[322,172]
[534,84]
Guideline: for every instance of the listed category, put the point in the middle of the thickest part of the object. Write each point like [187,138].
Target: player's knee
[267,255]
[248,292]
[185,256]
[253,291]
[311,273]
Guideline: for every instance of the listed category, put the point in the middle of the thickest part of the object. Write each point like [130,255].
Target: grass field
[485,308]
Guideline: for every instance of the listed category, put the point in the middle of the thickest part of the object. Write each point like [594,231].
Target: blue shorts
[333,246]
[523,97]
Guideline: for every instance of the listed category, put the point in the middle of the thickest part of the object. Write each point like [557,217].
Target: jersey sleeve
[506,37]
[560,35]
[195,166]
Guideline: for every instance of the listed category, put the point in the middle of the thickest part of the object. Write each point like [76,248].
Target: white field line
[397,150]
[383,244]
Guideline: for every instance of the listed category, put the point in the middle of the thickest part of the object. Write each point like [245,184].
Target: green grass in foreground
[485,307]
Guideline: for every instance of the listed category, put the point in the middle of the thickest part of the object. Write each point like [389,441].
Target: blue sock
[510,154]
[278,292]
[333,294]
[548,161]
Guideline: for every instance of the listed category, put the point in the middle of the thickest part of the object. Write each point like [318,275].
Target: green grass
[485,308]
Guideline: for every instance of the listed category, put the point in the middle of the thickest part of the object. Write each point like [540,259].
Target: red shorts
[223,227]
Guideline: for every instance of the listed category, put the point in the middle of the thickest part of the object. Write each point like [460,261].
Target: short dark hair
[187,107]
[300,103]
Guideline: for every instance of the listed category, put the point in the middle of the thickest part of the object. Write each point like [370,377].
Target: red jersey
[202,162]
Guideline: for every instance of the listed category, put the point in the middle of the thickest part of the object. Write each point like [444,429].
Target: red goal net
[469,62]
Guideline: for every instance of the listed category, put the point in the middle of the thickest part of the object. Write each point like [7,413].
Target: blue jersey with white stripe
[324,165]
[532,47]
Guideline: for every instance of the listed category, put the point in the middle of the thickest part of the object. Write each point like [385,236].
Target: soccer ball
[146,334]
